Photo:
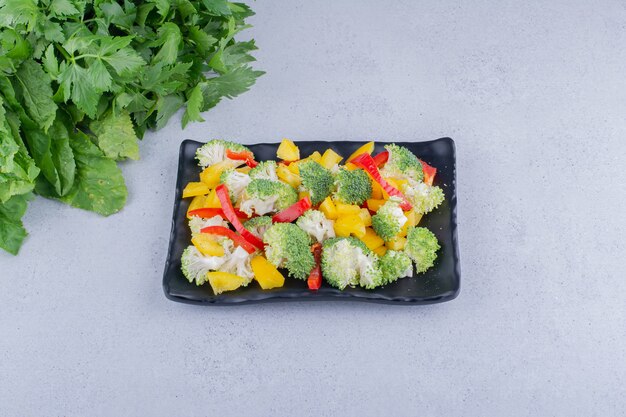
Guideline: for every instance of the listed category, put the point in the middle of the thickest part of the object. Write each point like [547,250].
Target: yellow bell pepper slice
[288,151]
[371,239]
[207,245]
[266,273]
[330,159]
[380,251]
[286,175]
[293,168]
[224,281]
[350,166]
[211,174]
[349,225]
[345,209]
[374,204]
[365,215]
[367,148]
[377,191]
[194,189]
[196,203]
[396,243]
[316,156]
[412,219]
[302,194]
[212,201]
[244,170]
[328,208]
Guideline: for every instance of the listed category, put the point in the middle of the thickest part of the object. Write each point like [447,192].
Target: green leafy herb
[81,81]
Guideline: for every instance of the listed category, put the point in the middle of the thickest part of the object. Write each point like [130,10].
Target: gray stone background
[534,93]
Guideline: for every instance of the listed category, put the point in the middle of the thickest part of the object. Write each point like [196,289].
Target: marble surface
[533,93]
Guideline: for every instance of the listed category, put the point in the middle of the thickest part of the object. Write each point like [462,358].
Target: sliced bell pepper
[330,158]
[288,151]
[194,189]
[292,212]
[315,277]
[381,158]
[366,162]
[246,156]
[224,281]
[328,208]
[231,216]
[266,273]
[429,173]
[225,231]
[367,148]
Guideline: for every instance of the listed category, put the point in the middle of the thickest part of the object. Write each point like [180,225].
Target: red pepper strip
[366,162]
[246,156]
[292,212]
[381,158]
[225,231]
[229,212]
[429,173]
[315,277]
[211,212]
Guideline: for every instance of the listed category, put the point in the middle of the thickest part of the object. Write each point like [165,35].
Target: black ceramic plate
[440,283]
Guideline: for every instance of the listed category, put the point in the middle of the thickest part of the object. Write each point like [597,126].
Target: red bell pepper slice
[225,231]
[212,212]
[292,212]
[246,156]
[366,162]
[315,277]
[229,212]
[429,173]
[381,158]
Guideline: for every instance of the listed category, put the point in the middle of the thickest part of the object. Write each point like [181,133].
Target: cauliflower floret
[196,265]
[238,263]
[214,151]
[265,170]
[424,198]
[348,262]
[198,223]
[263,196]
[316,225]
[236,182]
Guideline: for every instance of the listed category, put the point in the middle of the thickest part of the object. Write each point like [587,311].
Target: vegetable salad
[309,218]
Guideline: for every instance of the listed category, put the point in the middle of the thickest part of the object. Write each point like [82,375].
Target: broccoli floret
[263,196]
[258,225]
[346,261]
[316,225]
[402,164]
[421,246]
[288,247]
[266,170]
[236,182]
[198,223]
[214,151]
[352,187]
[389,219]
[317,180]
[196,265]
[394,265]
[424,198]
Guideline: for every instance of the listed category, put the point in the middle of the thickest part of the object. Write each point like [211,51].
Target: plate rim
[345,296]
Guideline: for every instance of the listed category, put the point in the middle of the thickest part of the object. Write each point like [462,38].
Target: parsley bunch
[82,80]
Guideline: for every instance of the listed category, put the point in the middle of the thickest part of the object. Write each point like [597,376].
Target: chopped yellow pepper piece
[196,203]
[330,159]
[396,243]
[212,201]
[224,281]
[194,189]
[412,219]
[288,151]
[366,217]
[371,239]
[374,204]
[207,245]
[367,148]
[344,209]
[302,194]
[211,174]
[328,208]
[244,170]
[316,156]
[286,175]
[350,224]
[266,273]
[377,191]
[350,166]
[293,168]
[380,251]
